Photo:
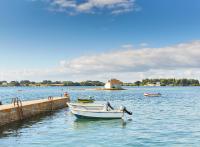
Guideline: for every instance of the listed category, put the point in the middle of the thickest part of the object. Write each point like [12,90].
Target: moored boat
[84,100]
[89,99]
[152,94]
[105,111]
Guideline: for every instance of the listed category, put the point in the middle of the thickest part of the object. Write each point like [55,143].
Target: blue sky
[48,35]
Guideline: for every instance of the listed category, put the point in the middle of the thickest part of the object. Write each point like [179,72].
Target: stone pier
[21,110]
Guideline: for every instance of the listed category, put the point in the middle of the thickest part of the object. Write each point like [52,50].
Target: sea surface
[172,120]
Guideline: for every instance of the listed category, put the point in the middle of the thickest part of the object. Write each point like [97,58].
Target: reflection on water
[108,123]
[14,129]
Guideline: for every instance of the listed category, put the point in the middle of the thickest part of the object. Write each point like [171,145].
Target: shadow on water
[15,127]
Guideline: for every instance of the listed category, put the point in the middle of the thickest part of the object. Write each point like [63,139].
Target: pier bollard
[66,94]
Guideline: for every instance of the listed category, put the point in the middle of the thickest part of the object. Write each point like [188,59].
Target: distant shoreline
[96,86]
[143,83]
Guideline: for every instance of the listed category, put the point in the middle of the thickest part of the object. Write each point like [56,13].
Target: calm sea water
[170,120]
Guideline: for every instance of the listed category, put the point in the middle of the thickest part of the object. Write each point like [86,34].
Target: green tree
[25,83]
[137,83]
[46,82]
[14,83]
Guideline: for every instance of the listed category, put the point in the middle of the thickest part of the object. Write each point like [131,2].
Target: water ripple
[170,120]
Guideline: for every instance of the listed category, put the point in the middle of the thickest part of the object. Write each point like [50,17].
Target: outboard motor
[128,112]
[125,110]
[108,104]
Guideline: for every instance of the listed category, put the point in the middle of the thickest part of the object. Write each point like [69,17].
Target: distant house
[113,84]
[153,84]
[4,84]
[157,83]
[150,84]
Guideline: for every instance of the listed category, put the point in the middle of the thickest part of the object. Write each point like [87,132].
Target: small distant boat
[152,94]
[82,100]
[97,111]
[85,100]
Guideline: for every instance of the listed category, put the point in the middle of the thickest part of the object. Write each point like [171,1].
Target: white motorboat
[105,111]
[152,94]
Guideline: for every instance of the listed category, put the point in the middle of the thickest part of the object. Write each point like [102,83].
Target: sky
[99,39]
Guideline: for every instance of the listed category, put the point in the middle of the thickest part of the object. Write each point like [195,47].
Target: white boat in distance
[152,94]
[105,111]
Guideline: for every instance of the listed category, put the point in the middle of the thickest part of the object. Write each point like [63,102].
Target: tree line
[165,82]
[144,82]
[51,83]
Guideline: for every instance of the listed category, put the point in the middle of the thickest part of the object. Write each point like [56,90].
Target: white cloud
[127,46]
[179,61]
[144,44]
[139,60]
[32,74]
[64,3]
[92,6]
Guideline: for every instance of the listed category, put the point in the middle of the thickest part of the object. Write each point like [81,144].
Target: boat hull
[85,100]
[98,114]
[152,95]
[95,118]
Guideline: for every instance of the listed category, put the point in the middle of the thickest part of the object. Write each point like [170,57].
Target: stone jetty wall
[22,110]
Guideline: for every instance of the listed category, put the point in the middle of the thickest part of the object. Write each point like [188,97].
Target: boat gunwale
[97,111]
[86,104]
